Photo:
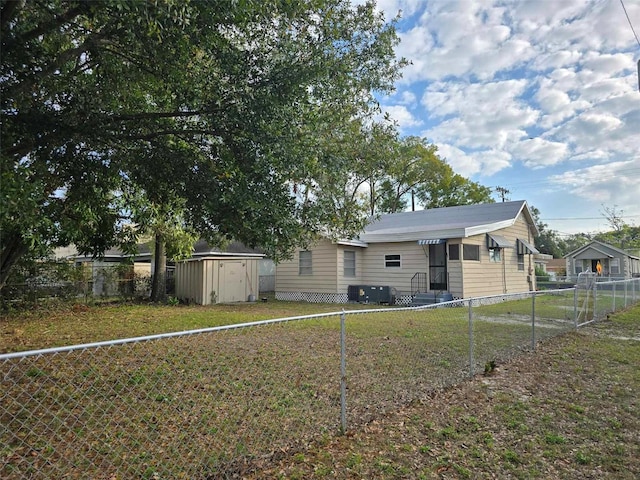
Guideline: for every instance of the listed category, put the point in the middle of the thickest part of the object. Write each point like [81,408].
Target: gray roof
[600,247]
[448,222]
[200,249]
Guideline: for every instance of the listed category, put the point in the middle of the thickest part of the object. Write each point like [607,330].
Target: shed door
[233,278]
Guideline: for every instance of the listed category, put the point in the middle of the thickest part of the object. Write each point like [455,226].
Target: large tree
[417,169]
[548,241]
[211,106]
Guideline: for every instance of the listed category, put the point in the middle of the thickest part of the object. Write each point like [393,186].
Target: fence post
[575,307]
[533,321]
[343,373]
[471,361]
[595,299]
[625,294]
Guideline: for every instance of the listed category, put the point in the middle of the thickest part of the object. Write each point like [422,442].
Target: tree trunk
[12,251]
[159,280]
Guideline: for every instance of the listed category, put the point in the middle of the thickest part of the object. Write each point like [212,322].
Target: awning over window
[525,248]
[436,241]
[497,241]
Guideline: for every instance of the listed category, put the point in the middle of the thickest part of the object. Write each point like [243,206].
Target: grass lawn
[570,410]
[71,324]
[265,401]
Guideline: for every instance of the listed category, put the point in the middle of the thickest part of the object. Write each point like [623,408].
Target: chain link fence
[41,282]
[222,402]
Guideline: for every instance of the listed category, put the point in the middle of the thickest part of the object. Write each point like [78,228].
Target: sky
[540,97]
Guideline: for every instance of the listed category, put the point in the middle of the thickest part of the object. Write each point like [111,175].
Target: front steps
[429,298]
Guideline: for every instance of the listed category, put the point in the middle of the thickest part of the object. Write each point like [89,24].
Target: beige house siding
[324,264]
[343,282]
[466,278]
[494,278]
[374,272]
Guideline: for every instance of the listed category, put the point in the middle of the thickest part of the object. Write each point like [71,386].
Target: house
[556,267]
[457,252]
[107,276]
[612,261]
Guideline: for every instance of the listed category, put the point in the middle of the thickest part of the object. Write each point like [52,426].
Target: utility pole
[503,193]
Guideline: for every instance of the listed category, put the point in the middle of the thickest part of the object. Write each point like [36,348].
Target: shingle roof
[448,222]
[602,246]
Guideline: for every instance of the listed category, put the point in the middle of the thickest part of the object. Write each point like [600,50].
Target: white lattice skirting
[314,297]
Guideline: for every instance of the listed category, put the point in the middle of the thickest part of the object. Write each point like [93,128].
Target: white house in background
[613,261]
[457,252]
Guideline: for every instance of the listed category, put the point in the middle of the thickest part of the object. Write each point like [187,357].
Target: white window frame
[305,262]
[521,262]
[495,255]
[390,262]
[614,266]
[349,263]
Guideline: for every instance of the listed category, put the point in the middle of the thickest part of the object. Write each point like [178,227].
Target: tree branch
[56,22]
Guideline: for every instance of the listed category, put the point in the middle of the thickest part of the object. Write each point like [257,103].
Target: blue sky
[539,97]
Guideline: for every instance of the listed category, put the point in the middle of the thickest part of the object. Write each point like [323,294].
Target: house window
[304,263]
[494,255]
[521,261]
[349,263]
[614,266]
[454,251]
[471,252]
[392,261]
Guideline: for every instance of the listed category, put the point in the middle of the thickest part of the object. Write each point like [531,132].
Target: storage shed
[218,279]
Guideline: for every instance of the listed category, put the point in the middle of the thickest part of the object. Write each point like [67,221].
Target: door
[233,278]
[438,267]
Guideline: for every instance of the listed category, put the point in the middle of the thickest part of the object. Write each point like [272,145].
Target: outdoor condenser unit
[371,294]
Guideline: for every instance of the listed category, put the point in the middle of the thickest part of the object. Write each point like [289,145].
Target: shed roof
[448,222]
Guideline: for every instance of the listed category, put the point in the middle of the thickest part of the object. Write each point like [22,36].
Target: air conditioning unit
[371,294]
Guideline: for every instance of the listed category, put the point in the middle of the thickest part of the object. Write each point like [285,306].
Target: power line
[629,20]
[598,176]
[588,218]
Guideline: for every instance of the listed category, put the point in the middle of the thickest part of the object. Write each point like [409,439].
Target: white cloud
[408,98]
[525,89]
[486,162]
[488,115]
[402,115]
[613,183]
[607,63]
[538,152]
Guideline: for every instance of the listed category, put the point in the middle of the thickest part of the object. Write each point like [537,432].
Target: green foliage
[193,116]
[416,168]
[541,274]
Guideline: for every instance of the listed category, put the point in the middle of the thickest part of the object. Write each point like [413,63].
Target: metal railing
[221,402]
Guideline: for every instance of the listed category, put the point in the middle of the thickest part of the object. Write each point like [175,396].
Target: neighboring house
[557,267]
[464,251]
[614,262]
[104,279]
[541,261]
